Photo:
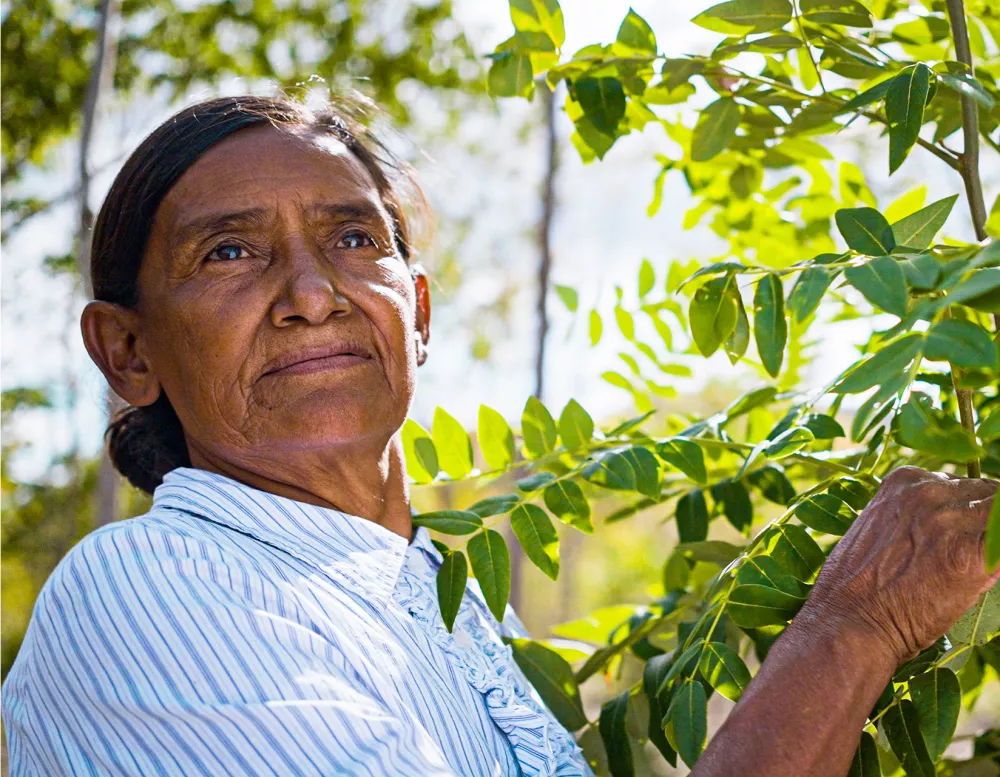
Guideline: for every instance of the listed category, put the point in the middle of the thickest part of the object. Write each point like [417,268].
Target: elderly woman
[274,613]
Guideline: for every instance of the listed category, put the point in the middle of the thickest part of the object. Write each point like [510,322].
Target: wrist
[853,639]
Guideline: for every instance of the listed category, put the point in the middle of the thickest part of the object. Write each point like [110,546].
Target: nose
[310,292]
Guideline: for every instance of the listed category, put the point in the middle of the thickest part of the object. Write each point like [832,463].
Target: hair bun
[145,443]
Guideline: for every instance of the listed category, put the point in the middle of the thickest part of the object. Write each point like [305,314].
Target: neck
[366,482]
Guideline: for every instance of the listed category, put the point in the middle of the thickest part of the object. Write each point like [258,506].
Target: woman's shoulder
[150,553]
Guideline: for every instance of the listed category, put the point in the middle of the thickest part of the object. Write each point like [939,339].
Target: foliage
[761,490]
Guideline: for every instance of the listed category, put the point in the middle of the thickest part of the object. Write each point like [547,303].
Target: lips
[307,360]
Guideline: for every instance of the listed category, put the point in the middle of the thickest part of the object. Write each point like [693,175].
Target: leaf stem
[805,42]
[969,158]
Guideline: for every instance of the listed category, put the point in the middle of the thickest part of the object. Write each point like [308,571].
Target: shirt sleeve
[144,665]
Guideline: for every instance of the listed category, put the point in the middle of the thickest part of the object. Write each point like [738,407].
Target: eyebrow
[256,217]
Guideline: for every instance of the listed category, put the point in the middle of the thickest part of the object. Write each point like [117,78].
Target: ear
[111,334]
[423,313]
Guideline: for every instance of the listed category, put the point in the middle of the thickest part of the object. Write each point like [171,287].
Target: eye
[227,252]
[355,239]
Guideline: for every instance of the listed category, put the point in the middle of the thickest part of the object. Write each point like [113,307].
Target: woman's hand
[911,564]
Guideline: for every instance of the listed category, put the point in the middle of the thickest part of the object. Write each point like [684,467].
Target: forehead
[264,167]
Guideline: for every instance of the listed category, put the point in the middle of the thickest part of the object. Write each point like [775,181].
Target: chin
[331,421]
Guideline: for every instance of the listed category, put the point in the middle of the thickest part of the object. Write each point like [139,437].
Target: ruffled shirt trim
[541,745]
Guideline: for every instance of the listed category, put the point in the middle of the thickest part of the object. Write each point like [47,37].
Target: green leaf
[865,230]
[922,427]
[635,33]
[692,517]
[741,17]
[736,504]
[653,674]
[454,448]
[938,698]
[918,229]
[770,327]
[711,551]
[538,429]
[826,513]
[455,522]
[647,277]
[865,762]
[715,128]
[902,728]
[535,481]
[867,97]
[543,16]
[923,272]
[989,429]
[689,715]
[789,441]
[569,296]
[616,742]
[491,565]
[961,343]
[967,86]
[576,427]
[772,483]
[736,344]
[685,455]
[510,73]
[993,536]
[496,440]
[850,13]
[495,505]
[603,102]
[883,283]
[595,327]
[534,530]
[893,359]
[632,469]
[981,622]
[724,670]
[792,547]
[823,427]
[552,677]
[765,571]
[713,314]
[418,449]
[808,292]
[451,580]
[676,571]
[566,501]
[751,606]
[904,108]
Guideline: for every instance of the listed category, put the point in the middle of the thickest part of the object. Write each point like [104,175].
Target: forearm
[805,709]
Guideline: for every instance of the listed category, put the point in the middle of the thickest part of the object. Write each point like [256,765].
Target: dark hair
[145,443]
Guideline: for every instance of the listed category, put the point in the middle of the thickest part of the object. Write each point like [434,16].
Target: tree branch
[969,158]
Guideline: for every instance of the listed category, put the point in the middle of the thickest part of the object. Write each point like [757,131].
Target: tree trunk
[101,73]
[544,268]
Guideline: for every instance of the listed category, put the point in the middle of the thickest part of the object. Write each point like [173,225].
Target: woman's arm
[910,565]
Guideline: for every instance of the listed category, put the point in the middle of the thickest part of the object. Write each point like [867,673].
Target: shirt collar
[361,550]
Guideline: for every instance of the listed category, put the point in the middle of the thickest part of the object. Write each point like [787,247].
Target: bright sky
[601,235]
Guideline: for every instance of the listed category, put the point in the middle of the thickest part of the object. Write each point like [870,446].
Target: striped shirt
[230,631]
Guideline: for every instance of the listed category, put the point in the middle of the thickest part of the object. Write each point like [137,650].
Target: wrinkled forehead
[264,167]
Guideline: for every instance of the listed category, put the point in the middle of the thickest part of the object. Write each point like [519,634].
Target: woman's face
[275,310]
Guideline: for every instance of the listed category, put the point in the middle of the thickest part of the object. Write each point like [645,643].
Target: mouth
[313,360]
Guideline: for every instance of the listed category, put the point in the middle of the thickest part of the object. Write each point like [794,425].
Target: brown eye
[356,239]
[227,253]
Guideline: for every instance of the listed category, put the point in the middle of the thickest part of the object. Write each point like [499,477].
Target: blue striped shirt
[230,631]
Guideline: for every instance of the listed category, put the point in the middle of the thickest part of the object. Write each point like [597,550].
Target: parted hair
[145,443]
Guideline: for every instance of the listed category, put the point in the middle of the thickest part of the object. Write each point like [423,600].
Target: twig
[969,157]
[805,42]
